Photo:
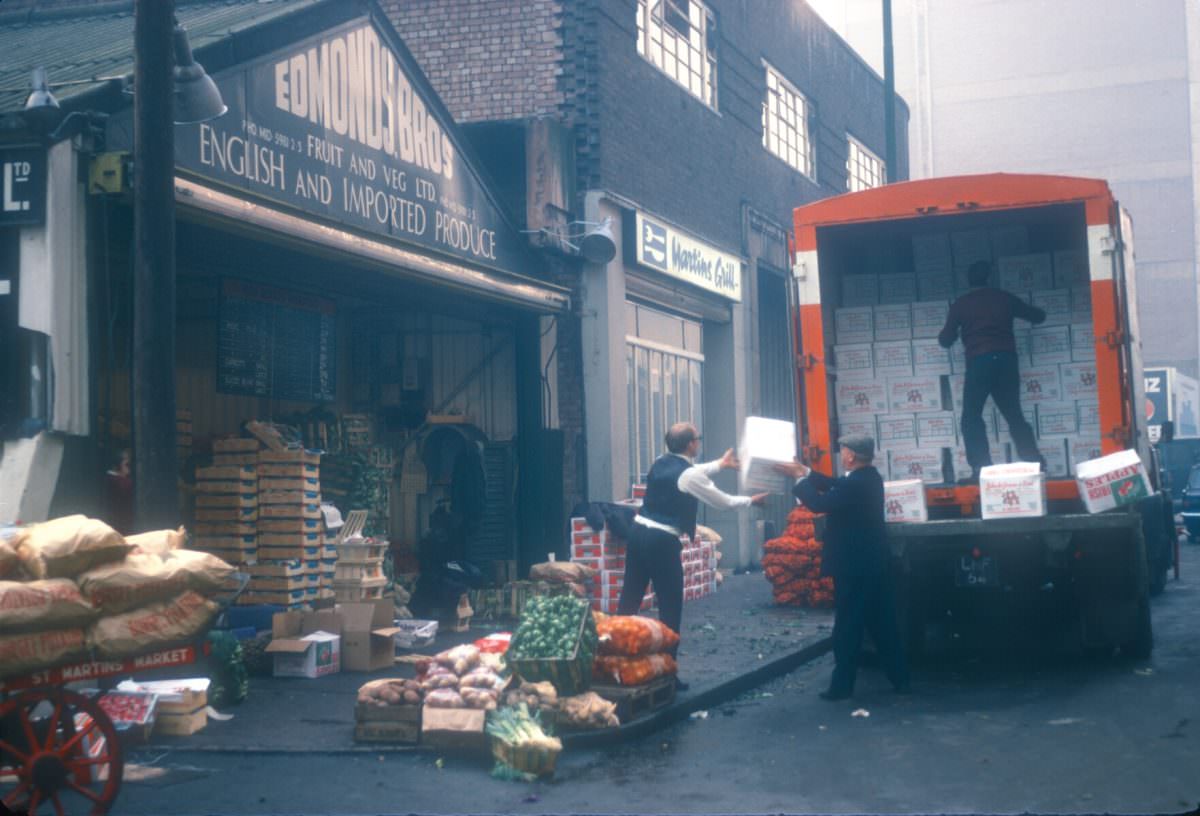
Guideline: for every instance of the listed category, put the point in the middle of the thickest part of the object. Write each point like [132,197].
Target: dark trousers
[866,602]
[994,375]
[652,556]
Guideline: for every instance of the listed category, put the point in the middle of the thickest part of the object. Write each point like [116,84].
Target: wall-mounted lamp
[196,96]
[595,244]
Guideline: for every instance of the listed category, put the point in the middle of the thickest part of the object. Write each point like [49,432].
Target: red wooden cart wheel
[48,764]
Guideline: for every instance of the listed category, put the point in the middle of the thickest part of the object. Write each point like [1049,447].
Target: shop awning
[246,215]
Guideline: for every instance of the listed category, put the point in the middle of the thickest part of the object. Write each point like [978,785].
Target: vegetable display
[550,629]
[793,564]
[390,692]
[519,743]
[588,710]
[634,671]
[633,635]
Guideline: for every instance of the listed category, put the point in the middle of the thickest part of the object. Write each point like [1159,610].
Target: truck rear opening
[873,276]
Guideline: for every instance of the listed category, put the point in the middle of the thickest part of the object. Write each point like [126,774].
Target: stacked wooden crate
[183,434]
[227,502]
[290,531]
[358,570]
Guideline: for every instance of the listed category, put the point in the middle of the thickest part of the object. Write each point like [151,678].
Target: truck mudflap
[1088,572]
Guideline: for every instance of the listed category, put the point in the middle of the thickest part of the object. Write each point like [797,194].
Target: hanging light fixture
[40,97]
[197,98]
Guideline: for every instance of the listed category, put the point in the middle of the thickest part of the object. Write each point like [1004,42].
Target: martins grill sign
[342,126]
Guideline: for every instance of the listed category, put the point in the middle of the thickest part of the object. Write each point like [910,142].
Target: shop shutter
[494,540]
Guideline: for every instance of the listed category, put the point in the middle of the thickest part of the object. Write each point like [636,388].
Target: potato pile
[391,692]
[537,696]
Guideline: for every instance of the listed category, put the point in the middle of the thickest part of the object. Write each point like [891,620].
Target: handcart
[59,750]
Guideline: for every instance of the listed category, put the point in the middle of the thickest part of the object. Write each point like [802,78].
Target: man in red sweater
[984,318]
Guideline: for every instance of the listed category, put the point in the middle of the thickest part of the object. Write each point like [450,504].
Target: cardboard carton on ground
[765,443]
[306,644]
[454,729]
[1115,480]
[1016,490]
[893,322]
[182,707]
[368,635]
[904,501]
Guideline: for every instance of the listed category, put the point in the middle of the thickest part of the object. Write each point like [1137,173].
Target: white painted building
[1100,88]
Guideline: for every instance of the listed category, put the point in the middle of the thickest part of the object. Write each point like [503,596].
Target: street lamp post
[156,492]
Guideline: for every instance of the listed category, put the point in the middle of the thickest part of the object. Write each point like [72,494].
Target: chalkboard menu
[275,343]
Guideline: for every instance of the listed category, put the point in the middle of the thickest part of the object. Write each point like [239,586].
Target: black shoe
[680,685]
[831,695]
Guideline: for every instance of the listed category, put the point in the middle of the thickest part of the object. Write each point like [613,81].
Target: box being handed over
[1112,481]
[1017,490]
[905,501]
[765,443]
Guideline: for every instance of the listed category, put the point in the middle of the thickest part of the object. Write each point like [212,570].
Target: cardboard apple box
[1016,490]
[904,501]
[765,443]
[893,322]
[854,325]
[1116,480]
[915,394]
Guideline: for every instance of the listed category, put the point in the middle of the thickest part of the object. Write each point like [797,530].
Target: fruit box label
[861,398]
[915,394]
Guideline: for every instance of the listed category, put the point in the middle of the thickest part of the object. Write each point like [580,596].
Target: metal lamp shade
[40,97]
[598,245]
[196,96]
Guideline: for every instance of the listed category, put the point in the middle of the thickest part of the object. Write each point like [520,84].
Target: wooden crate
[290,511]
[234,459]
[248,487]
[243,473]
[224,529]
[211,501]
[570,675]
[539,762]
[291,526]
[229,515]
[235,445]
[638,701]
[296,497]
[293,456]
[289,484]
[368,589]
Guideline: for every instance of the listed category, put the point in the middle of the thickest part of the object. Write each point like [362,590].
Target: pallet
[638,701]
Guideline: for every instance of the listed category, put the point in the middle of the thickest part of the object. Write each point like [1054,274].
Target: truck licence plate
[976,572]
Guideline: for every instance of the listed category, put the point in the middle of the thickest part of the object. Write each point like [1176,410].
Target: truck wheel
[1142,644]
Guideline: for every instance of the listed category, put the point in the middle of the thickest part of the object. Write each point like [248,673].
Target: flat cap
[861,444]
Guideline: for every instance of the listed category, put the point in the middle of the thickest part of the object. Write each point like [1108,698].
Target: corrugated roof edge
[37,15]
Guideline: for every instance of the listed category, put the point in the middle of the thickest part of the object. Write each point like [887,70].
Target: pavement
[732,641]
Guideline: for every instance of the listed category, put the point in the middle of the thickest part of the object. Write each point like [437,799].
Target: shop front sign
[658,246]
[340,125]
[22,186]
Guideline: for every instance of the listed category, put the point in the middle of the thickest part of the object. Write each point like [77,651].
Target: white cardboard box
[765,443]
[1041,384]
[1079,381]
[1083,343]
[937,430]
[1050,345]
[1070,268]
[1024,343]
[1056,303]
[854,325]
[935,283]
[1057,420]
[313,655]
[861,398]
[857,427]
[893,322]
[1081,304]
[958,461]
[1024,273]
[958,358]
[860,290]
[916,463]
[1089,416]
[929,357]
[1054,451]
[915,394]
[1115,480]
[855,360]
[896,431]
[1015,490]
[929,317]
[904,501]
[897,287]
[1030,412]
[894,358]
[1083,449]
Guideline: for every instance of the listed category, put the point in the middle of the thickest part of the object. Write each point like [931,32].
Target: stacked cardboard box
[290,531]
[604,553]
[226,490]
[895,382]
[359,569]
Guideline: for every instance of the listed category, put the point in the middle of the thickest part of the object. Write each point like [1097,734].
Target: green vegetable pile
[550,629]
[230,682]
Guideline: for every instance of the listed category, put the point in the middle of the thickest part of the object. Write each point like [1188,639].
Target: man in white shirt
[675,486]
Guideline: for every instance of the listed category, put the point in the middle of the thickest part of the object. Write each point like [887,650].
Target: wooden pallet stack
[290,531]
[218,488]
[358,570]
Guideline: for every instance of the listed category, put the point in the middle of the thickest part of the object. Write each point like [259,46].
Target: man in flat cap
[855,555]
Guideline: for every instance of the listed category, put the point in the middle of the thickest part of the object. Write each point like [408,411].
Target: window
[680,38]
[664,367]
[785,123]
[864,169]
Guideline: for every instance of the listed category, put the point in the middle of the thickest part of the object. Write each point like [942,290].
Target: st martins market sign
[336,126]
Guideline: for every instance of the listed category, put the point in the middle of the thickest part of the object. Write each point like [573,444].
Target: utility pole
[889,92]
[155,470]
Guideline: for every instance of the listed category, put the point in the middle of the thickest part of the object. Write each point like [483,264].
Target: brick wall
[489,60]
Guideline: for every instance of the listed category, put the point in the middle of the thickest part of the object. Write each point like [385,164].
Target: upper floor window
[864,169]
[680,38]
[785,123]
